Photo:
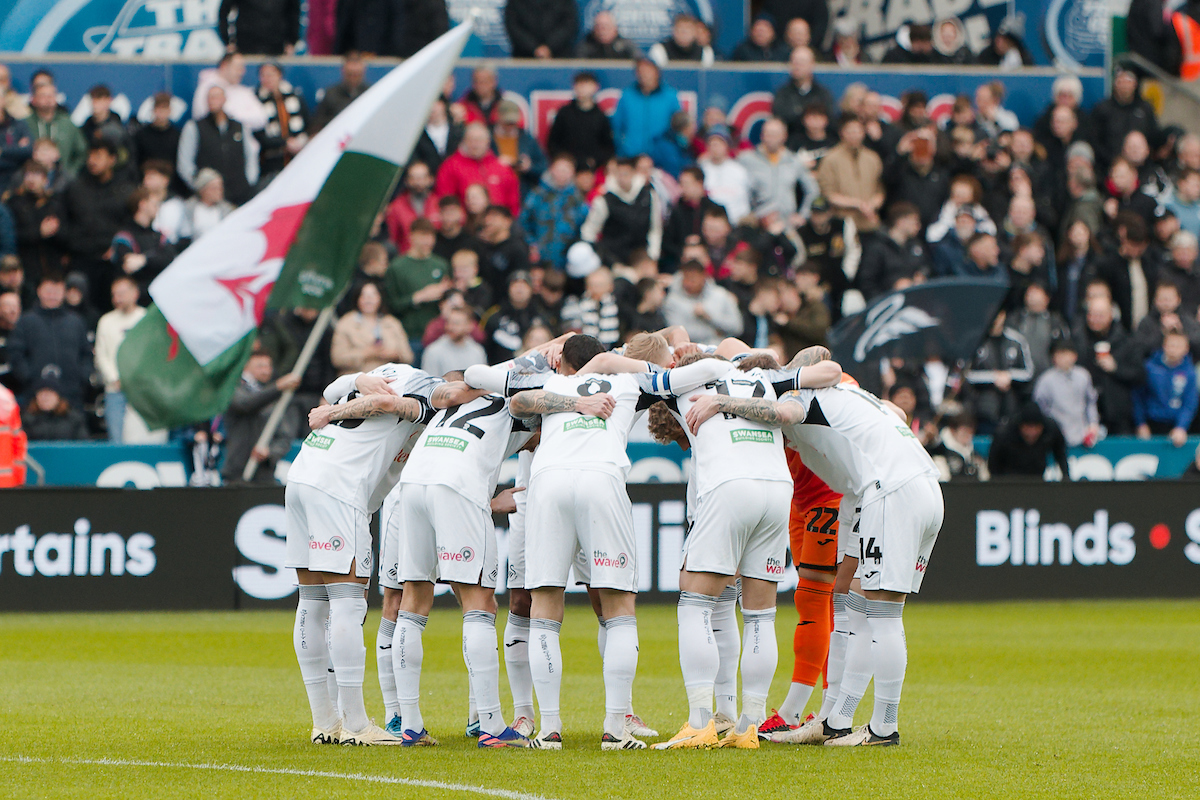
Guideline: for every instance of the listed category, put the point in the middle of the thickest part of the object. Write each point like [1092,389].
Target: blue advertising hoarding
[745,92]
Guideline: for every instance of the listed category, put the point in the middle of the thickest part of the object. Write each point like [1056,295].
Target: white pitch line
[507,794]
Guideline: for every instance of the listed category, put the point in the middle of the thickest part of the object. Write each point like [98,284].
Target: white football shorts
[325,534]
[897,534]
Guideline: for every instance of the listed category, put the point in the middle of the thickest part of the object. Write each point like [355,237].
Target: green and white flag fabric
[295,244]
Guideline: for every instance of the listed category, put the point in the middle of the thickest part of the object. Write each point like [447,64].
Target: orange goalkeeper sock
[814,600]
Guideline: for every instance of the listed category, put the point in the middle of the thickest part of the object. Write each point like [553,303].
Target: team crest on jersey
[602,559]
[754,436]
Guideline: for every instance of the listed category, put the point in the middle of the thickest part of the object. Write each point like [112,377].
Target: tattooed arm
[810,356]
[766,412]
[373,405]
[538,401]
[454,393]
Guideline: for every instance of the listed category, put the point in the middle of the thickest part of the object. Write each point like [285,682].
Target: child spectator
[1066,395]
[1166,403]
[464,274]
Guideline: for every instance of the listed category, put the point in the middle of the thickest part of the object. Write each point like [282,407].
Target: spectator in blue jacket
[1167,401]
[553,213]
[672,149]
[950,252]
[1185,204]
[644,110]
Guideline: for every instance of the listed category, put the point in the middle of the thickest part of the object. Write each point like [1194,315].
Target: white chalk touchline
[304,773]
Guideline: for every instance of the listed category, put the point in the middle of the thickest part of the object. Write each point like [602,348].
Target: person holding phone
[913,176]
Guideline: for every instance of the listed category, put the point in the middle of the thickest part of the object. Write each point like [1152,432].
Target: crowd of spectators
[550,29]
[494,242]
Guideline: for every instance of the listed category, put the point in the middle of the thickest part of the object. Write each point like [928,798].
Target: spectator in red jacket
[417,200]
[481,99]
[474,162]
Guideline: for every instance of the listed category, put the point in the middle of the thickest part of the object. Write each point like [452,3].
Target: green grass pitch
[1029,700]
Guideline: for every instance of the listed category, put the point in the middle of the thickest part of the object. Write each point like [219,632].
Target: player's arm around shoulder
[819,376]
[613,364]
[755,409]
[454,393]
[372,405]
[491,379]
[535,402]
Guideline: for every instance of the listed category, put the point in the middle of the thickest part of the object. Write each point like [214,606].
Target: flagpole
[306,354]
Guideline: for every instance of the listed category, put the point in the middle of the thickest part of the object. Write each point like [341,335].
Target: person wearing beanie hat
[1023,444]
[726,181]
[50,417]
[204,210]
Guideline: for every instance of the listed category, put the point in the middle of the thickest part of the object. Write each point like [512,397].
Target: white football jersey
[464,446]
[573,441]
[524,473]
[728,447]
[358,461]
[855,443]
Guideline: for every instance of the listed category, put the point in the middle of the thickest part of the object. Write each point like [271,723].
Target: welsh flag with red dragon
[295,244]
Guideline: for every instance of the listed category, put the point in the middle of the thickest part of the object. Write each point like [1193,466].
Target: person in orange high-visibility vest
[12,441]
[1188,31]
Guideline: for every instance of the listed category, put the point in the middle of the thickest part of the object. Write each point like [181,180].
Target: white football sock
[792,709]
[889,654]
[516,664]
[760,654]
[312,653]
[836,664]
[601,636]
[483,668]
[857,672]
[699,659]
[545,666]
[729,645]
[347,612]
[408,651]
[330,676]
[383,660]
[620,667]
